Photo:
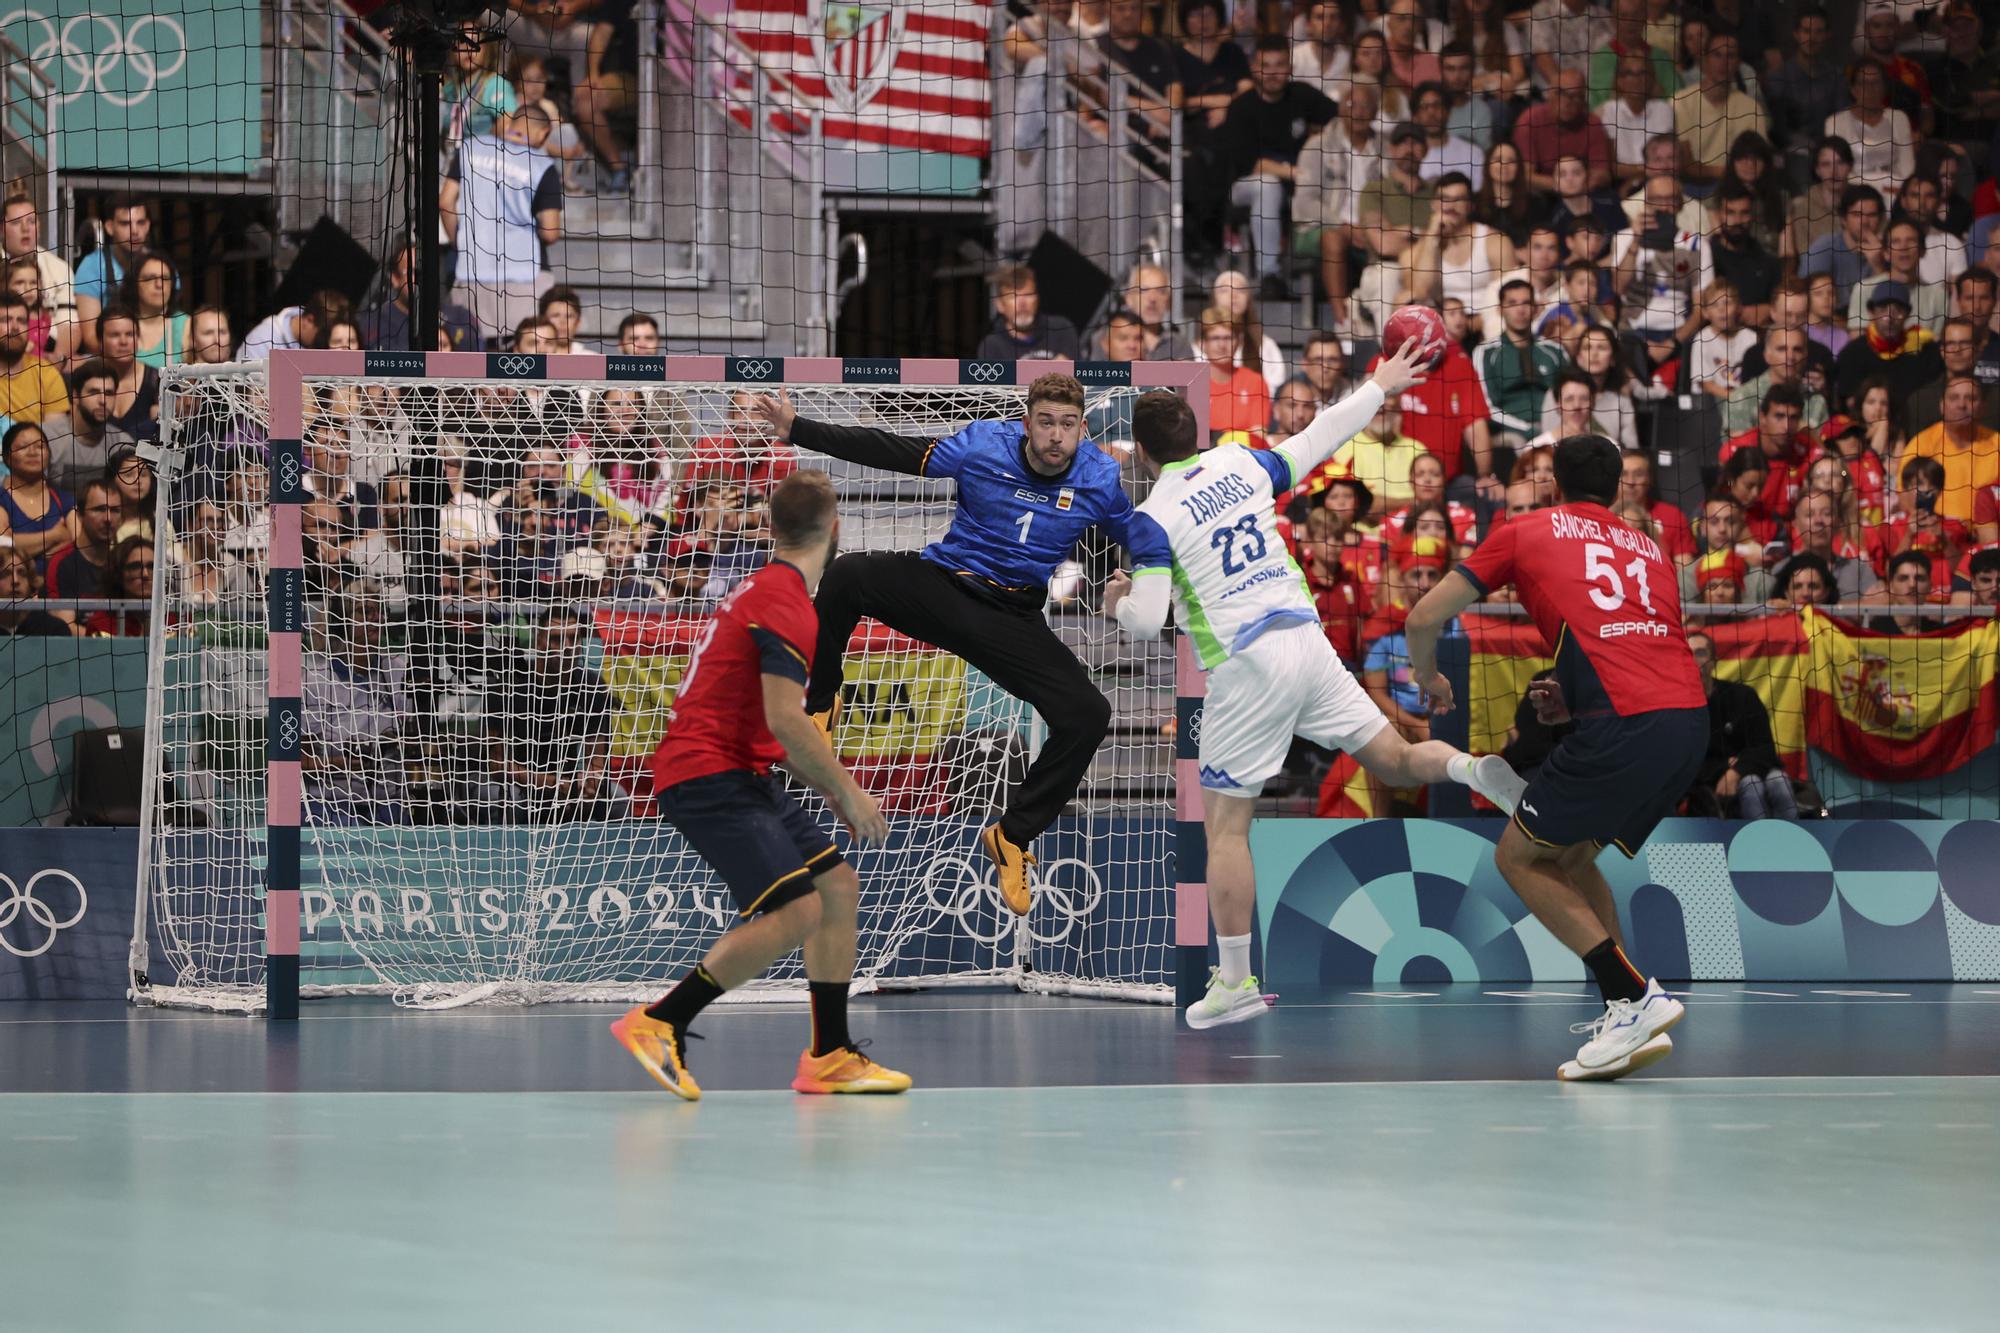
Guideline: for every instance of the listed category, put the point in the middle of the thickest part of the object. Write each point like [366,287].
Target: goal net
[441,612]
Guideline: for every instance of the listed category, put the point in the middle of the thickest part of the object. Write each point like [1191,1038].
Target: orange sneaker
[845,1069]
[661,1050]
[827,719]
[1012,864]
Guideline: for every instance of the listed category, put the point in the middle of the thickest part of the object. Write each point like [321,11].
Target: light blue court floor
[1351,1162]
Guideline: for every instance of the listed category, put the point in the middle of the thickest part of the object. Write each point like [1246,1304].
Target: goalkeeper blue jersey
[1013,526]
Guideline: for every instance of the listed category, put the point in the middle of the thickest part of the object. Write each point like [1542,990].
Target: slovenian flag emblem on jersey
[1064,499]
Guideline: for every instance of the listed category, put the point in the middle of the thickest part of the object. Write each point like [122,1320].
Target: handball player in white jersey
[1271,673]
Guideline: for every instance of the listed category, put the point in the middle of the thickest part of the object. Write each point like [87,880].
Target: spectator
[1562,34]
[1021,330]
[1149,293]
[1882,34]
[1904,354]
[1791,308]
[80,569]
[148,292]
[1123,339]
[1959,350]
[1338,593]
[1967,82]
[1638,488]
[1427,482]
[1231,295]
[1126,45]
[638,335]
[1716,352]
[1447,414]
[1544,269]
[1569,401]
[1807,88]
[744,454]
[81,444]
[621,463]
[1443,152]
[52,341]
[1872,408]
[1720,578]
[135,402]
[476,93]
[356,700]
[388,324]
[1786,452]
[1516,368]
[1656,77]
[1819,534]
[1576,204]
[1341,158]
[1902,254]
[1371,62]
[1909,584]
[469,523]
[1415,567]
[1258,150]
[1815,212]
[131,478]
[37,515]
[1943,253]
[1847,440]
[1500,64]
[128,228]
[1598,357]
[210,341]
[1709,115]
[1456,257]
[1920,523]
[1238,398]
[1579,310]
[1391,212]
[128,577]
[1881,137]
[30,388]
[1467,115]
[1522,497]
[502,206]
[528,73]
[1741,770]
[1563,127]
[1322,58]
[1855,251]
[1380,457]
[1292,410]
[1724,534]
[1976,288]
[296,326]
[18,584]
[609,89]
[1413,42]
[1804,580]
[344,335]
[1967,449]
[1504,201]
[327,478]
[1214,72]
[1826,322]
[1985,572]
[562,310]
[1635,115]
[1753,167]
[1324,363]
[21,238]
[1785,363]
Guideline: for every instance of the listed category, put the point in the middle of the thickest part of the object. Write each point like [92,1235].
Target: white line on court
[1256,1057]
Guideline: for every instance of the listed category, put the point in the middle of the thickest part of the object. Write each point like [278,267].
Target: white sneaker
[1227,1004]
[1495,779]
[1654,1051]
[1621,1032]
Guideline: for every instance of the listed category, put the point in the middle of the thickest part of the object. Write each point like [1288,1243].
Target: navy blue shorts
[751,833]
[1613,779]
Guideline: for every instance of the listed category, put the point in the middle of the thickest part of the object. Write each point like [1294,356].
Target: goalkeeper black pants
[1002,634]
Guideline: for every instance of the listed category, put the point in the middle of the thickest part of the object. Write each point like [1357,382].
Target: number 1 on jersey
[1027,521]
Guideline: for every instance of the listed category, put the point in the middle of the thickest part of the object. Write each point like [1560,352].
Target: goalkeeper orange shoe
[660,1048]
[845,1069]
[827,719]
[1012,864]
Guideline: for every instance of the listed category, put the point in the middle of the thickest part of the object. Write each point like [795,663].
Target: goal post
[407,757]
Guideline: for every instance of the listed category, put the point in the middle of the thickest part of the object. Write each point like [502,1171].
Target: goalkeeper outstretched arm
[855,444]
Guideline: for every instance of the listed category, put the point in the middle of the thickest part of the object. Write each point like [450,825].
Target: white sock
[1235,958]
[1459,769]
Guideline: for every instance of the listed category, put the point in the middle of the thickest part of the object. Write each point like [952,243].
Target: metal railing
[338,135]
[30,134]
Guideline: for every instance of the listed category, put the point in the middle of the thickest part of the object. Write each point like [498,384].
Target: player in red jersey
[739,710]
[1609,600]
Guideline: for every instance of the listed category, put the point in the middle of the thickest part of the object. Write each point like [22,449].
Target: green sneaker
[1227,1004]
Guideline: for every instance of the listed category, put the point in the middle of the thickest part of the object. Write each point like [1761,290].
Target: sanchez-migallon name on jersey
[1013,526]
[1233,576]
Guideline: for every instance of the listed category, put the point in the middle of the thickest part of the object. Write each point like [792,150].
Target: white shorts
[1288,682]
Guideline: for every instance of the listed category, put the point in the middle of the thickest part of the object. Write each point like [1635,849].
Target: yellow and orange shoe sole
[651,1044]
[852,1073]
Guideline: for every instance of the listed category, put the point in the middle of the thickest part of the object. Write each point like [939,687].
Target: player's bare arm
[1439,607]
[812,760]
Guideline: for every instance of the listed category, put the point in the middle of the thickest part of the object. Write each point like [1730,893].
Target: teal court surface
[1812,1157]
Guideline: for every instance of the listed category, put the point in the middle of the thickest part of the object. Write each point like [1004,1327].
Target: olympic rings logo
[93,63]
[1070,899]
[288,729]
[515,365]
[985,372]
[756,370]
[288,470]
[22,902]
[1194,727]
